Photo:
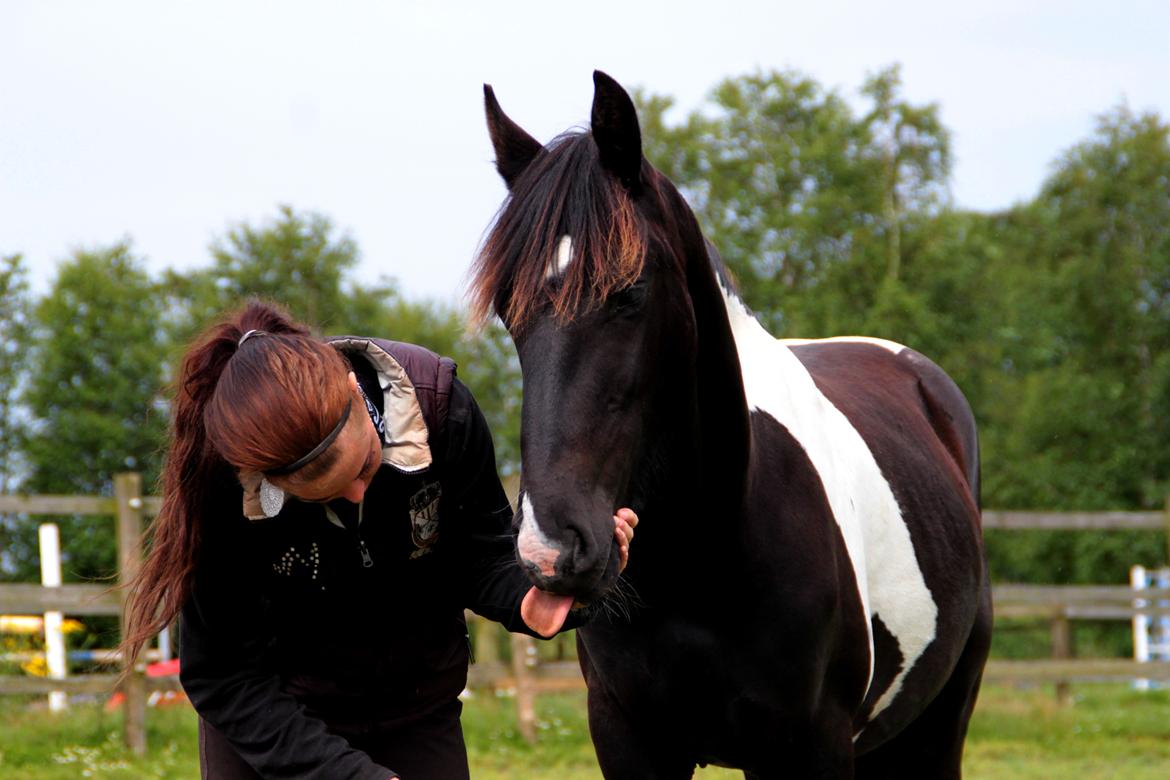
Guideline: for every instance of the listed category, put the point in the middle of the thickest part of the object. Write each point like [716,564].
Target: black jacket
[303,630]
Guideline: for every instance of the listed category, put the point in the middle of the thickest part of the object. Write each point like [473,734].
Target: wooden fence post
[487,652]
[128,494]
[523,659]
[1062,650]
[1166,521]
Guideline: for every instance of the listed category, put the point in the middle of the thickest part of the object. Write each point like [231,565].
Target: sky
[169,123]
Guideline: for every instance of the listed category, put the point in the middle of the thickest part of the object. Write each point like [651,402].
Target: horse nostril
[580,552]
[534,572]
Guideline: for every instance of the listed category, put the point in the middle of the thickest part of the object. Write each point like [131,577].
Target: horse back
[876,383]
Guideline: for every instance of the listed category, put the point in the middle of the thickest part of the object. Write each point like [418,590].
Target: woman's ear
[262,499]
[353,385]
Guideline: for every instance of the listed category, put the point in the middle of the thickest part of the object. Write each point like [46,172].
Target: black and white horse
[809,589]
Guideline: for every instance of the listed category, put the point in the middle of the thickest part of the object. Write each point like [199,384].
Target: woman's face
[358,450]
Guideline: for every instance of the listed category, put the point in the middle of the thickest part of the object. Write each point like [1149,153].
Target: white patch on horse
[892,346]
[533,545]
[889,579]
[564,257]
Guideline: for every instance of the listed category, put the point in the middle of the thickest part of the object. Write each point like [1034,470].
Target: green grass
[1109,733]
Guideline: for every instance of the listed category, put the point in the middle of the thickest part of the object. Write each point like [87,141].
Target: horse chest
[681,667]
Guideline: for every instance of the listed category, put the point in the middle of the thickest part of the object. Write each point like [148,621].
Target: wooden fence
[1058,605]
[128,507]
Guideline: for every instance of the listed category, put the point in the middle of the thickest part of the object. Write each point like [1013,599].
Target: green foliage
[93,394]
[295,260]
[490,367]
[14,335]
[1090,375]
[807,201]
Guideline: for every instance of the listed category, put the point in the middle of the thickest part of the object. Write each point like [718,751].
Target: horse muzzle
[566,562]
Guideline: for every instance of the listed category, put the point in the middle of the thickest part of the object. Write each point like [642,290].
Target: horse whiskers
[502,564]
[617,605]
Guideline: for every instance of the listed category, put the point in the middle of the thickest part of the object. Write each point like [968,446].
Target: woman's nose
[355,492]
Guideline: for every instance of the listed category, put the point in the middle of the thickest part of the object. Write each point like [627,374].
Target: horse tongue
[545,612]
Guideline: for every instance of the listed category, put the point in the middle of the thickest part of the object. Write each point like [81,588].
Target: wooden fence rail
[1076,521]
[1058,604]
[17,504]
[27,599]
[1080,602]
[1064,670]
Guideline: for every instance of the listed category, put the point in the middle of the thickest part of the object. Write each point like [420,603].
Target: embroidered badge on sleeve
[424,518]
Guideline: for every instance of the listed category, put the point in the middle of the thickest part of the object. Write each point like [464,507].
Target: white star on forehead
[564,257]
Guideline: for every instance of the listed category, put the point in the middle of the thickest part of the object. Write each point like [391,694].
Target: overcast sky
[169,122]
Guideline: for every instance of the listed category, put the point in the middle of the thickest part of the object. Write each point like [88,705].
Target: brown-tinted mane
[564,191]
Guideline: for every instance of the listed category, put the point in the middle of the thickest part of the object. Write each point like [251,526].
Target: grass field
[1109,733]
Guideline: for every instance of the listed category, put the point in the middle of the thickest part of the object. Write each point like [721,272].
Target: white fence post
[54,637]
[165,652]
[1160,634]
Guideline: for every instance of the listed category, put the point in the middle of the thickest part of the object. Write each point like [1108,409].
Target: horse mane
[564,191]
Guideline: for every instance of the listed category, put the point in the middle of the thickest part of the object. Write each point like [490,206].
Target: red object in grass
[163,668]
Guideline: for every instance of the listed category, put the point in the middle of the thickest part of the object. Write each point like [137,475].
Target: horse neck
[724,426]
[691,549]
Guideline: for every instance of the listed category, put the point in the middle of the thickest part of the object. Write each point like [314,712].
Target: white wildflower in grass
[94,761]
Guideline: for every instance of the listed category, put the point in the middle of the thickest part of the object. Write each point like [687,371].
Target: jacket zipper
[367,559]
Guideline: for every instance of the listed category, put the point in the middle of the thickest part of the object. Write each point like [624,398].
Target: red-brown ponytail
[249,407]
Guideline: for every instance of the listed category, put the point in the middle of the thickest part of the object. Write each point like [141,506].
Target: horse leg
[627,752]
[931,748]
[819,749]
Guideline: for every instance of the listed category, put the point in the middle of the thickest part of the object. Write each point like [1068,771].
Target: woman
[329,508]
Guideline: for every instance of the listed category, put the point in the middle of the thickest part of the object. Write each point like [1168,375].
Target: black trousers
[430,748]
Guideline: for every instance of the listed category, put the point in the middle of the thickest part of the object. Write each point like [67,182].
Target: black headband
[313,454]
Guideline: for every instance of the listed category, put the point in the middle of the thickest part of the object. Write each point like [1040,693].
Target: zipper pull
[367,561]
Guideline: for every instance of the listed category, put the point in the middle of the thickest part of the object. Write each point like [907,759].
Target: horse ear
[615,130]
[515,149]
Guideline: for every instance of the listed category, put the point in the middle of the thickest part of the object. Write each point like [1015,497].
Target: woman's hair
[237,408]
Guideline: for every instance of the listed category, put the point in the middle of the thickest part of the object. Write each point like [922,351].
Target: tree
[296,260]
[14,334]
[491,368]
[1090,371]
[807,202]
[1084,342]
[93,394]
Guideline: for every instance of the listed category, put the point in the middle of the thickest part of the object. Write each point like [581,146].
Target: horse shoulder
[920,526]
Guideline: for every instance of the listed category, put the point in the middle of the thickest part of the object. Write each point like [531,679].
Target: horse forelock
[564,192]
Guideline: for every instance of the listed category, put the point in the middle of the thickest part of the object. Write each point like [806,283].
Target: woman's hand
[624,522]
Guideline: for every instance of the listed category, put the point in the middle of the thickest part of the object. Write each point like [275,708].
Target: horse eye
[630,299]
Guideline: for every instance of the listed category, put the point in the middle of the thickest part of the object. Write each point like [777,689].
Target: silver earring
[271,498]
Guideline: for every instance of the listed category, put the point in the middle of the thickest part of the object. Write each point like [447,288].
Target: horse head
[599,270]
